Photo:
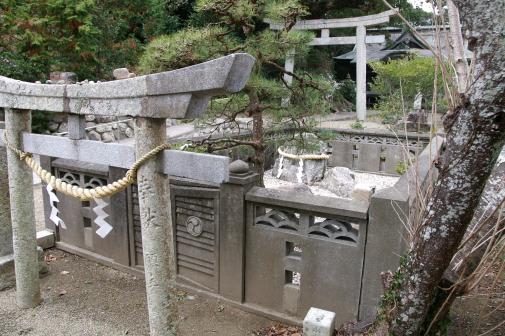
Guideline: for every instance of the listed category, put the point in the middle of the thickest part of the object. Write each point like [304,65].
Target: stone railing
[150,100]
[304,251]
[392,211]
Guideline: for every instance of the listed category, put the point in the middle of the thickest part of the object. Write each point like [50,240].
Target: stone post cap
[178,94]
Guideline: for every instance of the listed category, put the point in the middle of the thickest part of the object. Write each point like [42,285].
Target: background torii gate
[179,94]
[360,40]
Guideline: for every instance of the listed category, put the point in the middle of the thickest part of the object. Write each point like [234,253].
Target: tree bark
[469,256]
[475,136]
[458,46]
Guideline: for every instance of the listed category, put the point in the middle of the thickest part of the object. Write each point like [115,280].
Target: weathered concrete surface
[389,215]
[173,94]
[23,219]
[155,218]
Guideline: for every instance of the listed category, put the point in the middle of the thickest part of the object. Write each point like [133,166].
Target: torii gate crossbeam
[360,40]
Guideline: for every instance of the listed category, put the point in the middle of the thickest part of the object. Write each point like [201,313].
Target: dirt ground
[92,300]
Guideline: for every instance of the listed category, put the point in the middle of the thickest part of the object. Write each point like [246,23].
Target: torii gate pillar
[361,73]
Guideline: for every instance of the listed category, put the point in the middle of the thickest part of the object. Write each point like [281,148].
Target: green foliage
[398,82]
[184,48]
[357,125]
[402,167]
[89,37]
[391,297]
[284,11]
[347,89]
[238,30]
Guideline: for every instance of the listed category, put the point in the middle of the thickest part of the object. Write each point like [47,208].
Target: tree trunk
[458,46]
[475,136]
[255,112]
[467,259]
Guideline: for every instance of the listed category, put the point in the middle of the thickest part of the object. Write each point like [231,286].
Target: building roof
[403,43]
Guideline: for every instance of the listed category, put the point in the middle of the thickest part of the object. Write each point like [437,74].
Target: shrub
[398,81]
[357,125]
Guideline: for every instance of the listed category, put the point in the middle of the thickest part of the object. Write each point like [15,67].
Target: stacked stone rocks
[98,128]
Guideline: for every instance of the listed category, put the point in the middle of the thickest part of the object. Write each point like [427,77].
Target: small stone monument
[417,119]
[319,322]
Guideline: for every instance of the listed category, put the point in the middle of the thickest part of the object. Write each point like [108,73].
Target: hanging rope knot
[23,156]
[85,194]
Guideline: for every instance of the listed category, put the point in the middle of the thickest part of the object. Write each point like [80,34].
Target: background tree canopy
[92,37]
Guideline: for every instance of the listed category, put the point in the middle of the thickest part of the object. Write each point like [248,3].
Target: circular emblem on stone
[194,226]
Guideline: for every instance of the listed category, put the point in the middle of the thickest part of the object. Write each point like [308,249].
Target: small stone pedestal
[319,322]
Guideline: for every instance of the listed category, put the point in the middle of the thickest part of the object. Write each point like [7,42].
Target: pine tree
[239,26]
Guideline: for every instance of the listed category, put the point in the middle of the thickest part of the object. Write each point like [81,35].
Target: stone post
[361,72]
[232,221]
[23,219]
[156,227]
[289,65]
[6,252]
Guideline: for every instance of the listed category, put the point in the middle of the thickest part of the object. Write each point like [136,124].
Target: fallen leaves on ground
[49,258]
[279,330]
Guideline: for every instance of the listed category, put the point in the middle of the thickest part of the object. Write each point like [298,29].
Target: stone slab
[7,269]
[7,276]
[45,239]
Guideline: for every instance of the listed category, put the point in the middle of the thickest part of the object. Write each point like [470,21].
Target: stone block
[121,73]
[7,277]
[7,270]
[319,322]
[45,239]
[340,181]
[362,192]
[94,135]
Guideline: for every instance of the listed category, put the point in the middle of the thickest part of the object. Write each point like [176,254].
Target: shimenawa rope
[82,193]
[303,157]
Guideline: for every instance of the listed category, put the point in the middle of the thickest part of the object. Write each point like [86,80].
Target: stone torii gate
[151,99]
[360,40]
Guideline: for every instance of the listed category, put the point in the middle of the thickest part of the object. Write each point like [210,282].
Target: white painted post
[22,216]
[361,73]
[156,227]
